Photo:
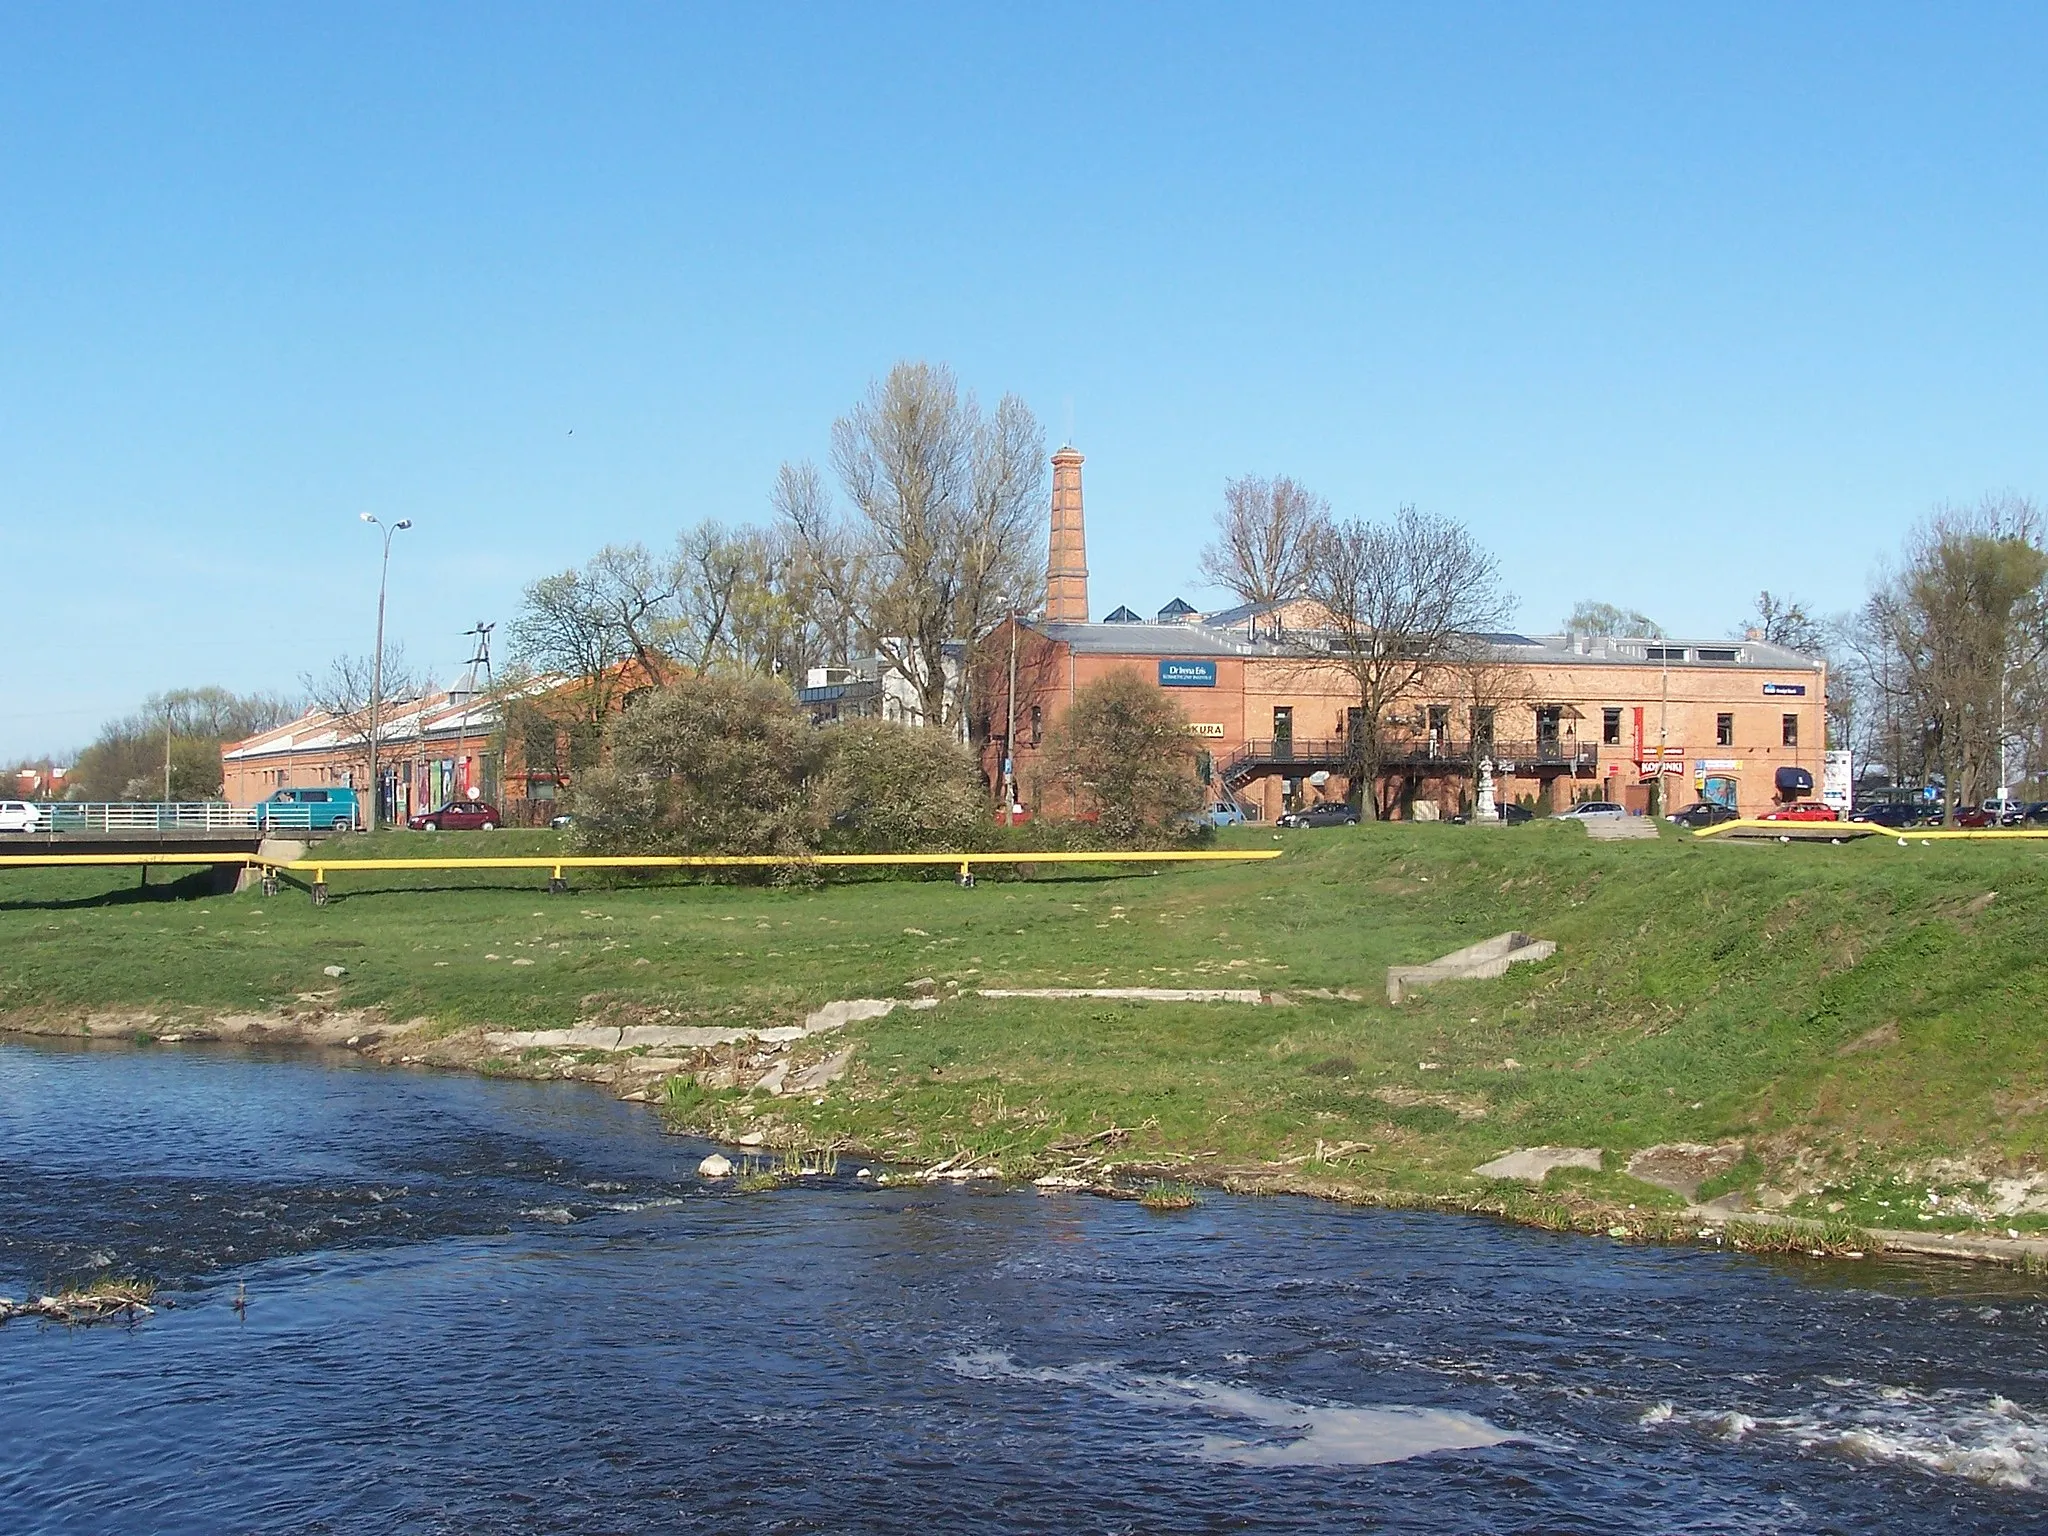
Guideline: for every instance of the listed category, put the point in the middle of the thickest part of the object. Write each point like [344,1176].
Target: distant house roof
[1243,613]
[1123,616]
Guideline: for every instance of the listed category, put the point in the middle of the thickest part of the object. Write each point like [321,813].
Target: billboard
[1838,781]
[1187,674]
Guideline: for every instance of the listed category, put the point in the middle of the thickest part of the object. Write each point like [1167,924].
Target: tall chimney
[1066,567]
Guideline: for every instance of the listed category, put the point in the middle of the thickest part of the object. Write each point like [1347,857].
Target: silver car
[1593,810]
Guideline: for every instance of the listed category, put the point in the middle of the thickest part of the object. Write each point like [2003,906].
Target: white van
[20,816]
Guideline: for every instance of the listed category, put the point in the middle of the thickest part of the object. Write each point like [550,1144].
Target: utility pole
[377,660]
[481,657]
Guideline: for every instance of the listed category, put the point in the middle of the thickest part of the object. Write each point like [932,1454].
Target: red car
[1803,810]
[458,816]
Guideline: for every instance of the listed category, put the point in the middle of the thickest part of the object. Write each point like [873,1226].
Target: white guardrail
[192,816]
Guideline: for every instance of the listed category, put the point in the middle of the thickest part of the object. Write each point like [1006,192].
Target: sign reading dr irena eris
[1187,674]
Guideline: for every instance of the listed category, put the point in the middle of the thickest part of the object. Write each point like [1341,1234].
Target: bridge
[230,837]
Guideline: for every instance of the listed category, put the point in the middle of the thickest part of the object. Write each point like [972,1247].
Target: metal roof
[1226,634]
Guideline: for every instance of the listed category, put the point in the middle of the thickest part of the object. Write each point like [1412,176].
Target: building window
[1665,653]
[1719,653]
[1482,726]
[1791,730]
[1724,730]
[1037,725]
[1610,727]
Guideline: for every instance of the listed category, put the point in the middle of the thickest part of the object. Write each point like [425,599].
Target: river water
[480,1306]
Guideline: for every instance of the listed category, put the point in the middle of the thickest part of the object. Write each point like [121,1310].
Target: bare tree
[1400,601]
[637,594]
[1485,683]
[945,531]
[1784,621]
[1265,537]
[343,692]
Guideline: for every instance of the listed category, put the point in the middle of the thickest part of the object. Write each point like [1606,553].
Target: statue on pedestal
[1486,812]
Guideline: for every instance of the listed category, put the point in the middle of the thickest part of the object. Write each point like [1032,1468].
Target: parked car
[561,823]
[2008,812]
[1890,813]
[1803,810]
[458,816]
[1704,813]
[1333,814]
[20,816]
[329,809]
[2037,813]
[1975,818]
[1593,810]
[1226,813]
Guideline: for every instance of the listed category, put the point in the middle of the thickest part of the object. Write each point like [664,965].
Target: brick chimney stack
[1066,568]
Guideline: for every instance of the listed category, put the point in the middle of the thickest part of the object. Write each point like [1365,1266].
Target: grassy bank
[1854,1016]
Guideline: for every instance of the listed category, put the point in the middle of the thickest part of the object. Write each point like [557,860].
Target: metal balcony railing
[1403,751]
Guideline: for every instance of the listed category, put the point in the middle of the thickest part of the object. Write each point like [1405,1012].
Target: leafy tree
[1958,633]
[126,759]
[709,764]
[1605,619]
[890,788]
[1122,752]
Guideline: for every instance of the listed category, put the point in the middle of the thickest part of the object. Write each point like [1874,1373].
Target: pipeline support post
[556,884]
[966,876]
[319,887]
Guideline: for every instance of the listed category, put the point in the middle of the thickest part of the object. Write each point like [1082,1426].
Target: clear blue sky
[1668,307]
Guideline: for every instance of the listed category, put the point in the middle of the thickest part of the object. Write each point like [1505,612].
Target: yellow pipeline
[1812,831]
[64,860]
[319,867]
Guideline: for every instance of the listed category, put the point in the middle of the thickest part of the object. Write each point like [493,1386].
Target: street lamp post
[377,660]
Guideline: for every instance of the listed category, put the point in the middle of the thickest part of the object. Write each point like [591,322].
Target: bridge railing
[184,816]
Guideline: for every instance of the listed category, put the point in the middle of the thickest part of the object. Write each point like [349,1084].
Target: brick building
[1563,718]
[430,750]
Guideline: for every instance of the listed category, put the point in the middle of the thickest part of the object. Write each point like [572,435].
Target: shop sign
[1784,690]
[1717,765]
[1205,730]
[1187,674]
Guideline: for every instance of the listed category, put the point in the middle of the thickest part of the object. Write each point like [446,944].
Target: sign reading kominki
[1187,674]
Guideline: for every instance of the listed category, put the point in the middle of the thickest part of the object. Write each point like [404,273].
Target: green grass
[1847,1012]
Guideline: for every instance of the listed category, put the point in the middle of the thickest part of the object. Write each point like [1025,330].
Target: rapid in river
[483,1306]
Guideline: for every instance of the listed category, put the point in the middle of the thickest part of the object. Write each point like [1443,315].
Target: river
[478,1306]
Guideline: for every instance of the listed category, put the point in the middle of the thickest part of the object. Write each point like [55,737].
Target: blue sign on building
[1187,674]
[1772,690]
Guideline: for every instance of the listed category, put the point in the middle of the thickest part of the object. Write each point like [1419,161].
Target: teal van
[310,809]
